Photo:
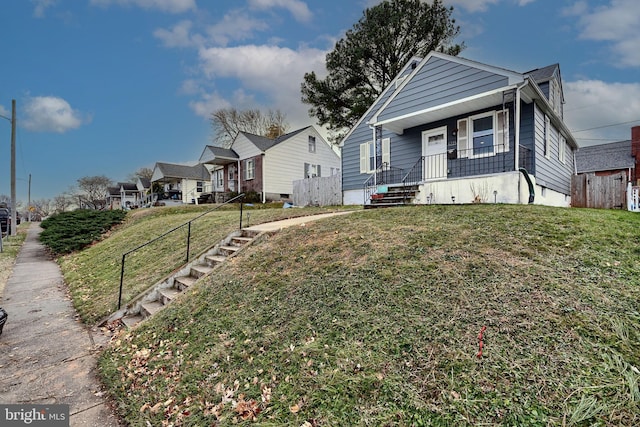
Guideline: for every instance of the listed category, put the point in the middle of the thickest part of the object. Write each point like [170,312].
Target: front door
[434,150]
[231,179]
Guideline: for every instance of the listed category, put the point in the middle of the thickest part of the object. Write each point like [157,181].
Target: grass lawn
[374,319]
[93,274]
[11,245]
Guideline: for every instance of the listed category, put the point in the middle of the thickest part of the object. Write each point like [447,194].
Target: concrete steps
[163,293]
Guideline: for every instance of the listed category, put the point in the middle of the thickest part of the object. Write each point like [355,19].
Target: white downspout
[375,158]
[264,182]
[239,177]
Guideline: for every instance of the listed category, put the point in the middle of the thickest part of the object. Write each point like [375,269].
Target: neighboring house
[459,131]
[114,199]
[143,186]
[269,166]
[606,159]
[124,195]
[129,195]
[181,183]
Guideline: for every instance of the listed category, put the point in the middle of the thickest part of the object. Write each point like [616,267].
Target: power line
[606,126]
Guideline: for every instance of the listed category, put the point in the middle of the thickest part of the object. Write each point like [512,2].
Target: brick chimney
[635,152]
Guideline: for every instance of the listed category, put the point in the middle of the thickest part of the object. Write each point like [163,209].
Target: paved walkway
[46,355]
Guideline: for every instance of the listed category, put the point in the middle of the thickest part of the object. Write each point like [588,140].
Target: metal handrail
[188,224]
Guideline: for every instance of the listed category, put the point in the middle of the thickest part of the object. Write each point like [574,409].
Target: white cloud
[178,36]
[236,25]
[616,23]
[297,8]
[271,72]
[50,114]
[597,104]
[170,6]
[473,5]
[41,6]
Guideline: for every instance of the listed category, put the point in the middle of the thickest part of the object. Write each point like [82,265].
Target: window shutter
[502,131]
[386,151]
[318,171]
[364,157]
[463,138]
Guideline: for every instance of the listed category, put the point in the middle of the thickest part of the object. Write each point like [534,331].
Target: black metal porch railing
[184,226]
[383,176]
[452,164]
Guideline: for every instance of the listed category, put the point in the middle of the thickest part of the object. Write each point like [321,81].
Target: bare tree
[62,203]
[227,123]
[93,191]
[40,208]
[140,173]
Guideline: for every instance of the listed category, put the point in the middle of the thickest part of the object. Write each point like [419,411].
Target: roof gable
[386,93]
[441,79]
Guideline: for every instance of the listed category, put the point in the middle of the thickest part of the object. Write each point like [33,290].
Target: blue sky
[105,87]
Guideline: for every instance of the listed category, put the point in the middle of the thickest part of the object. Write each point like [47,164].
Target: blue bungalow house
[452,130]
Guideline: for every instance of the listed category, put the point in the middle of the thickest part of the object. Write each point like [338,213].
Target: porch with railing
[452,164]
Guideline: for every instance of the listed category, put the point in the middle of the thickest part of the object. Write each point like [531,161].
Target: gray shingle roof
[544,73]
[605,157]
[171,170]
[264,143]
[222,152]
[127,186]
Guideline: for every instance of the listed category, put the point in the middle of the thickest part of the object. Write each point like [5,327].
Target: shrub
[71,231]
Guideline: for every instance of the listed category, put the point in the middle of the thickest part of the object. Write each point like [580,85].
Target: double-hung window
[249,169]
[312,144]
[311,171]
[483,134]
[368,155]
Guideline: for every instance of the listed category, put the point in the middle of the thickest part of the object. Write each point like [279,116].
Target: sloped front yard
[376,318]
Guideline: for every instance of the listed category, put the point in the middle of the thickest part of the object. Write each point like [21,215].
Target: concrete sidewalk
[279,225]
[46,355]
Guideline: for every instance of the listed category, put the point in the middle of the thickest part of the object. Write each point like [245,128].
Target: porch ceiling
[441,112]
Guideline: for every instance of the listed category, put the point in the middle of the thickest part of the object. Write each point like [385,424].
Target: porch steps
[163,293]
[396,196]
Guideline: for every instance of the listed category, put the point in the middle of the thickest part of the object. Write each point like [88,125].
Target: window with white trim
[199,186]
[311,171]
[249,169]
[483,135]
[218,178]
[368,155]
[562,142]
[312,144]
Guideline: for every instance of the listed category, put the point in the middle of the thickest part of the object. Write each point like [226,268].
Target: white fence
[633,198]
[323,191]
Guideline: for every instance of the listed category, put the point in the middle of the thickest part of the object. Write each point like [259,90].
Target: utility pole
[14,217]
[29,201]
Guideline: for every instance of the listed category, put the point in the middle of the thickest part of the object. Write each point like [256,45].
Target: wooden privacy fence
[320,191]
[604,192]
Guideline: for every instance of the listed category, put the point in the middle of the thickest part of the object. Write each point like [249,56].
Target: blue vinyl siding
[406,150]
[439,82]
[549,171]
[527,138]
